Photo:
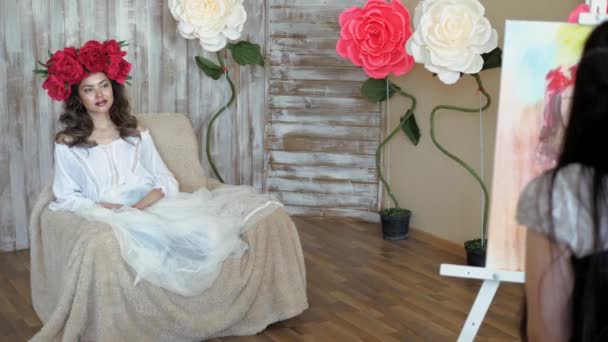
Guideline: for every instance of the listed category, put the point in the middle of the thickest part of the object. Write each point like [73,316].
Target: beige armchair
[82,290]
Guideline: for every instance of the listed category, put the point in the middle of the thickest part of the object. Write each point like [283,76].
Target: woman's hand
[110,205]
[152,197]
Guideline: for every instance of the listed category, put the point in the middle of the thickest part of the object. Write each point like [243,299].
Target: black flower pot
[476,257]
[476,252]
[395,227]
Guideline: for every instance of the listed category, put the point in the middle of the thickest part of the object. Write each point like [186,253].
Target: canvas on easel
[539,65]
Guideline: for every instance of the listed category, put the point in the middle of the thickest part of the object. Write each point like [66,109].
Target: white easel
[491,280]
[492,277]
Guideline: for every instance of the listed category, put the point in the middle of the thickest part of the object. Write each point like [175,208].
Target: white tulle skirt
[179,243]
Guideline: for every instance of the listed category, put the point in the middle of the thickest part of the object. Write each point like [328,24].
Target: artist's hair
[78,125]
[584,143]
[584,139]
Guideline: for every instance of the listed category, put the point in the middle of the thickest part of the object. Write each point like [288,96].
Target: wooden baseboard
[416,233]
[441,243]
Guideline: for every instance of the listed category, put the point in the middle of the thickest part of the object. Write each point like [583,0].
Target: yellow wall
[444,198]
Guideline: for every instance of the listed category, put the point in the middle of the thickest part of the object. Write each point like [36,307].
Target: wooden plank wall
[165,79]
[298,128]
[321,135]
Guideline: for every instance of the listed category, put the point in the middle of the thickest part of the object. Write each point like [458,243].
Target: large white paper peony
[450,36]
[213,22]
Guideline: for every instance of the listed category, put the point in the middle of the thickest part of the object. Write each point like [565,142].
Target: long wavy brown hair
[78,125]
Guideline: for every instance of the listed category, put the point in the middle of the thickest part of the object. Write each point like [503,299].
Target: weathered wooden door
[321,134]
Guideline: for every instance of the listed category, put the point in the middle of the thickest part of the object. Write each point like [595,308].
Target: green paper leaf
[209,68]
[40,72]
[246,53]
[375,89]
[409,126]
[492,59]
[39,62]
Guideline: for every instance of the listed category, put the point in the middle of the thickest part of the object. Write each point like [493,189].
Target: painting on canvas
[539,64]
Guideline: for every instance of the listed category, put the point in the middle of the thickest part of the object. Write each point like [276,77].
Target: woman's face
[95,92]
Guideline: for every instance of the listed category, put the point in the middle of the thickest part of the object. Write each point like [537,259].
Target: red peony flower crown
[70,66]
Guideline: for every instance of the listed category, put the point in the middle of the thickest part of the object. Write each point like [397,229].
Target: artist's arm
[549,285]
[152,197]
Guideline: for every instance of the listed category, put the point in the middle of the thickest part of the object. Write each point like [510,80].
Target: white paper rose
[450,36]
[213,22]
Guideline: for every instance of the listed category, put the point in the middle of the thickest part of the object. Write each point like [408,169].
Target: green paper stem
[410,112]
[215,116]
[460,161]
[409,96]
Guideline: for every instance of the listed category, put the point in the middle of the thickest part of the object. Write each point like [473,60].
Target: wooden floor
[360,287]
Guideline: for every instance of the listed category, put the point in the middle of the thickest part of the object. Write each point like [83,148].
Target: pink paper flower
[583,8]
[573,17]
[374,37]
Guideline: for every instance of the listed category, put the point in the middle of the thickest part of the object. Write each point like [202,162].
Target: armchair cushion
[175,140]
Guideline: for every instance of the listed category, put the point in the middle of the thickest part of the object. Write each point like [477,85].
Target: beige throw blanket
[83,291]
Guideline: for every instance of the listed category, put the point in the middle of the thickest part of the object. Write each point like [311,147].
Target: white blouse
[84,176]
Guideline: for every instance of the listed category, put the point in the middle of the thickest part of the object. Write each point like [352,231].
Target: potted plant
[457,39]
[395,223]
[476,252]
[373,37]
[396,220]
